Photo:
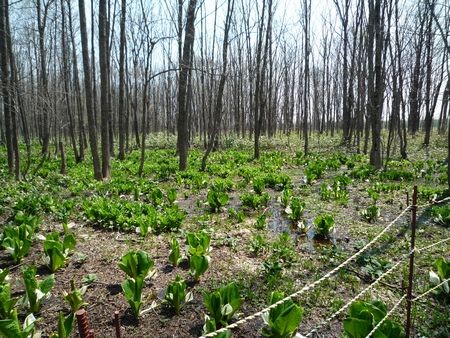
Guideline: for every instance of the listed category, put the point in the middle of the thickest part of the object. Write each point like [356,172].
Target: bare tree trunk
[103,28]
[219,104]
[259,83]
[66,75]
[306,18]
[42,22]
[375,78]
[76,82]
[429,109]
[88,93]
[122,111]
[344,16]
[4,12]
[183,131]
[444,108]
[416,83]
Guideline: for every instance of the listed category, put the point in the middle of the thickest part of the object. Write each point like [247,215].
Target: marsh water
[279,223]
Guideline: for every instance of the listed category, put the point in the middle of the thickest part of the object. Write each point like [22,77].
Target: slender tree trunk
[375,78]
[76,82]
[103,28]
[88,93]
[219,104]
[122,110]
[183,127]
[429,109]
[259,83]
[306,17]
[416,83]
[66,75]
[4,9]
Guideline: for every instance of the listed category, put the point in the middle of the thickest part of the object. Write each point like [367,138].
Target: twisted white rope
[433,202]
[431,290]
[306,287]
[385,317]
[344,307]
[347,305]
[431,245]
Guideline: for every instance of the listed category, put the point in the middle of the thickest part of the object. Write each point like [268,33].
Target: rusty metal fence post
[83,324]
[411,263]
[117,324]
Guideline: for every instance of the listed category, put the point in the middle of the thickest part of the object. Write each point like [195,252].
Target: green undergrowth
[274,223]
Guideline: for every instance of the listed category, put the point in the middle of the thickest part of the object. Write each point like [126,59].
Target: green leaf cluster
[295,209]
[198,247]
[11,327]
[371,213]
[283,320]
[237,216]
[137,266]
[175,253]
[75,297]
[65,326]
[314,170]
[17,238]
[7,302]
[57,251]
[222,304]
[176,294]
[254,201]
[217,199]
[323,225]
[35,290]
[364,316]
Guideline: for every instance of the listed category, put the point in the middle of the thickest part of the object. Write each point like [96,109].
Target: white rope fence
[336,269]
[351,301]
[431,290]
[371,286]
[391,311]
[433,202]
[431,246]
[309,286]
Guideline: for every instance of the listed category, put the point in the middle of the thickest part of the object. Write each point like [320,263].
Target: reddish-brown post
[117,324]
[411,262]
[83,324]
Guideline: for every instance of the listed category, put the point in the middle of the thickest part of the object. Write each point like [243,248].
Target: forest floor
[261,248]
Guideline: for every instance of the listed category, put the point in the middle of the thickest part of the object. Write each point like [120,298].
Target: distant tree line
[100,79]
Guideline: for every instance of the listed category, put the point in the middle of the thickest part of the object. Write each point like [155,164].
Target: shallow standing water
[278,223]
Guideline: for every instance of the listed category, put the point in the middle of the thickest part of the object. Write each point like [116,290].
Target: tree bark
[88,93]
[182,125]
[122,110]
[4,8]
[375,78]
[103,28]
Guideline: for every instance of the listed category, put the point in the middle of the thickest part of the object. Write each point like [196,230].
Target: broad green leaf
[286,324]
[65,325]
[47,284]
[69,242]
[3,275]
[10,328]
[357,328]
[133,291]
[6,302]
[136,264]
